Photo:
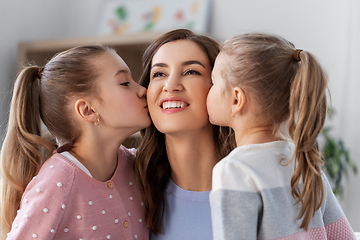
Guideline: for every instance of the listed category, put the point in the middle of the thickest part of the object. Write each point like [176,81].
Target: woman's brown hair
[41,95]
[152,165]
[286,84]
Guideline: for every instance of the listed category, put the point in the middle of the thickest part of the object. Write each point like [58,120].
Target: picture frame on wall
[136,16]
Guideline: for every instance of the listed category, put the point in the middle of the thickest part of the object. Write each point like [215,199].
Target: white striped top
[251,198]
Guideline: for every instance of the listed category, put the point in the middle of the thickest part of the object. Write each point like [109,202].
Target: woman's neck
[192,158]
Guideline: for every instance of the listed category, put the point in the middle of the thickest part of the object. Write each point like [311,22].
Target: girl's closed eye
[125,84]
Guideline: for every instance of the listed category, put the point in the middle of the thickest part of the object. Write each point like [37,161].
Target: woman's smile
[173,104]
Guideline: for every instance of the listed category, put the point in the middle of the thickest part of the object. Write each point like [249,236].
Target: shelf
[129,47]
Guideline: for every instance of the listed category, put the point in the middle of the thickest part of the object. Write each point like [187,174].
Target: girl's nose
[142,92]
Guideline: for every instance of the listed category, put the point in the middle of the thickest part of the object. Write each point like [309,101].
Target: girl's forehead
[112,62]
[220,60]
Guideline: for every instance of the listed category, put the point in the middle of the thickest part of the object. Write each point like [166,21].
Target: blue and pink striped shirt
[251,198]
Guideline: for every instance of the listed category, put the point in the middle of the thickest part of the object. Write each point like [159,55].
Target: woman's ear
[84,111]
[238,100]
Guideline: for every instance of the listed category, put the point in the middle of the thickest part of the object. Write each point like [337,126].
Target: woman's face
[180,79]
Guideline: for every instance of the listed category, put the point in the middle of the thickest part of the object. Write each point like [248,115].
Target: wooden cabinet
[129,47]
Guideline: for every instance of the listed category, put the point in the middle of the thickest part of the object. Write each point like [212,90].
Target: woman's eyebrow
[184,64]
[159,65]
[193,62]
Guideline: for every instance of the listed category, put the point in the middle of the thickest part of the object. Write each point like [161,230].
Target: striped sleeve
[335,221]
[235,203]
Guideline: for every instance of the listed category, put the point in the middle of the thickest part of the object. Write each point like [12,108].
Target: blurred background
[330,29]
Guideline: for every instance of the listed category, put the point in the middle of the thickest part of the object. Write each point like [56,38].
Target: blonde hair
[41,95]
[285,88]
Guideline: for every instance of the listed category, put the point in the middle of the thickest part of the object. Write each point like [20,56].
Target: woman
[181,147]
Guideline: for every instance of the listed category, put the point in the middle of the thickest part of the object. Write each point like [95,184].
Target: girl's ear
[238,100]
[84,111]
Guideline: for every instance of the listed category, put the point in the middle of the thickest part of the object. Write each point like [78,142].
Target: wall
[327,28]
[347,125]
[24,21]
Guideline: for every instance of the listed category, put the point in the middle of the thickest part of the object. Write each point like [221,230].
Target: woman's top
[64,202]
[251,198]
[187,215]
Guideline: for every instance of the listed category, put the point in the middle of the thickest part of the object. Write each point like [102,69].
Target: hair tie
[296,54]
[40,71]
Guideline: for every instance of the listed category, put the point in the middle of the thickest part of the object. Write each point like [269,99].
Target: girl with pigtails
[85,188]
[271,186]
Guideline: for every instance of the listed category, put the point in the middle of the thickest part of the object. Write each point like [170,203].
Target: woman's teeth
[173,104]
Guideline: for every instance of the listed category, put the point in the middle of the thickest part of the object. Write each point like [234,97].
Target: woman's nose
[173,83]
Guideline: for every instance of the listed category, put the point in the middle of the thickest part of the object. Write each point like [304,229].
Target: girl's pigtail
[307,116]
[23,149]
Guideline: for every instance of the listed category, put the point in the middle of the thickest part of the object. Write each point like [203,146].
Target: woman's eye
[192,72]
[158,74]
[125,84]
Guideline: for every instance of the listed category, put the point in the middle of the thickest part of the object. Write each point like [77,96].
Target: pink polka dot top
[63,202]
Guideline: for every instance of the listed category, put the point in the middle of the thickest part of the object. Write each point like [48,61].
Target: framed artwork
[135,16]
